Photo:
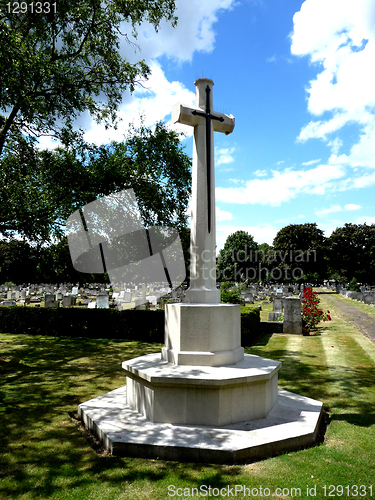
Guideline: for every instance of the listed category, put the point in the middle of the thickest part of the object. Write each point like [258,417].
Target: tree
[40,189]
[300,250]
[352,252]
[236,261]
[65,60]
[17,262]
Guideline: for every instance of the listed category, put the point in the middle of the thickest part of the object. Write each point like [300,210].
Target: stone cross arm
[184,114]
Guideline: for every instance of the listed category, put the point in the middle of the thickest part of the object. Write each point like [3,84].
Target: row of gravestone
[367,297]
[258,293]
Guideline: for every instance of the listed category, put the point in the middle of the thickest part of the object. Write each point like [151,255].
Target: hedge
[145,325]
[250,325]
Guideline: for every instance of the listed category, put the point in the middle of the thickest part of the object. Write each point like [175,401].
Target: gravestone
[91,305]
[152,299]
[277,305]
[67,301]
[75,290]
[292,316]
[49,301]
[9,303]
[274,316]
[102,301]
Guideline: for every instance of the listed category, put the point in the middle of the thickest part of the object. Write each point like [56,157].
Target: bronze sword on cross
[208,116]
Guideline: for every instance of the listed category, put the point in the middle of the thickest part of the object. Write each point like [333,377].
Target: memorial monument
[202,399]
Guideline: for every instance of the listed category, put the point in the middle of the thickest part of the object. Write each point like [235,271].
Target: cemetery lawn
[44,455]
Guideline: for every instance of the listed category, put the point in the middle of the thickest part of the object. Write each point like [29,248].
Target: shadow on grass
[42,453]
[45,378]
[347,393]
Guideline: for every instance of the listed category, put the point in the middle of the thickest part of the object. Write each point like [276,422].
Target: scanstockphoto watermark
[239,267]
[250,273]
[248,254]
[260,273]
[238,490]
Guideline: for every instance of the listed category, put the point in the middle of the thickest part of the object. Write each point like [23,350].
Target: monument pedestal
[202,399]
[202,334]
[207,412]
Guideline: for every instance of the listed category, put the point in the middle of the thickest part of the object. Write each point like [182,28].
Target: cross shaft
[208,116]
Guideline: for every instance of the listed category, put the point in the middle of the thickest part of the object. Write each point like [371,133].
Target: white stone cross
[202,240]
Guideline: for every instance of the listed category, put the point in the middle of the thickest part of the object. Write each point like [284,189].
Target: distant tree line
[301,253]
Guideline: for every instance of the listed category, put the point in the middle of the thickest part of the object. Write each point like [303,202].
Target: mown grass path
[361,315]
[44,456]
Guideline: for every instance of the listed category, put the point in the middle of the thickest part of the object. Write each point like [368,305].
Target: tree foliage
[302,247]
[352,252]
[236,259]
[57,65]
[40,189]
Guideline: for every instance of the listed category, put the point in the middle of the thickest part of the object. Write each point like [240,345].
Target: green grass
[361,306]
[43,454]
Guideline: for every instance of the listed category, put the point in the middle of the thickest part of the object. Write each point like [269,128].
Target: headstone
[9,295]
[75,290]
[152,299]
[139,304]
[127,296]
[102,302]
[277,305]
[292,316]
[9,303]
[274,316]
[67,301]
[49,301]
[91,305]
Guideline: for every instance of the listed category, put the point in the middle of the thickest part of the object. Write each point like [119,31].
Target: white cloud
[149,102]
[365,220]
[352,206]
[224,156]
[271,59]
[221,215]
[283,186]
[260,173]
[194,32]
[337,208]
[325,211]
[311,162]
[339,35]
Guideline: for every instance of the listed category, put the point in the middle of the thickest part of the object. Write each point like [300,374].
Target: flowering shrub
[311,315]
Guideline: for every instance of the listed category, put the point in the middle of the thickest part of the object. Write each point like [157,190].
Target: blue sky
[299,79]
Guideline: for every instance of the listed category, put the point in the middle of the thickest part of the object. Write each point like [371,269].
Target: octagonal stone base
[292,424]
[202,395]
